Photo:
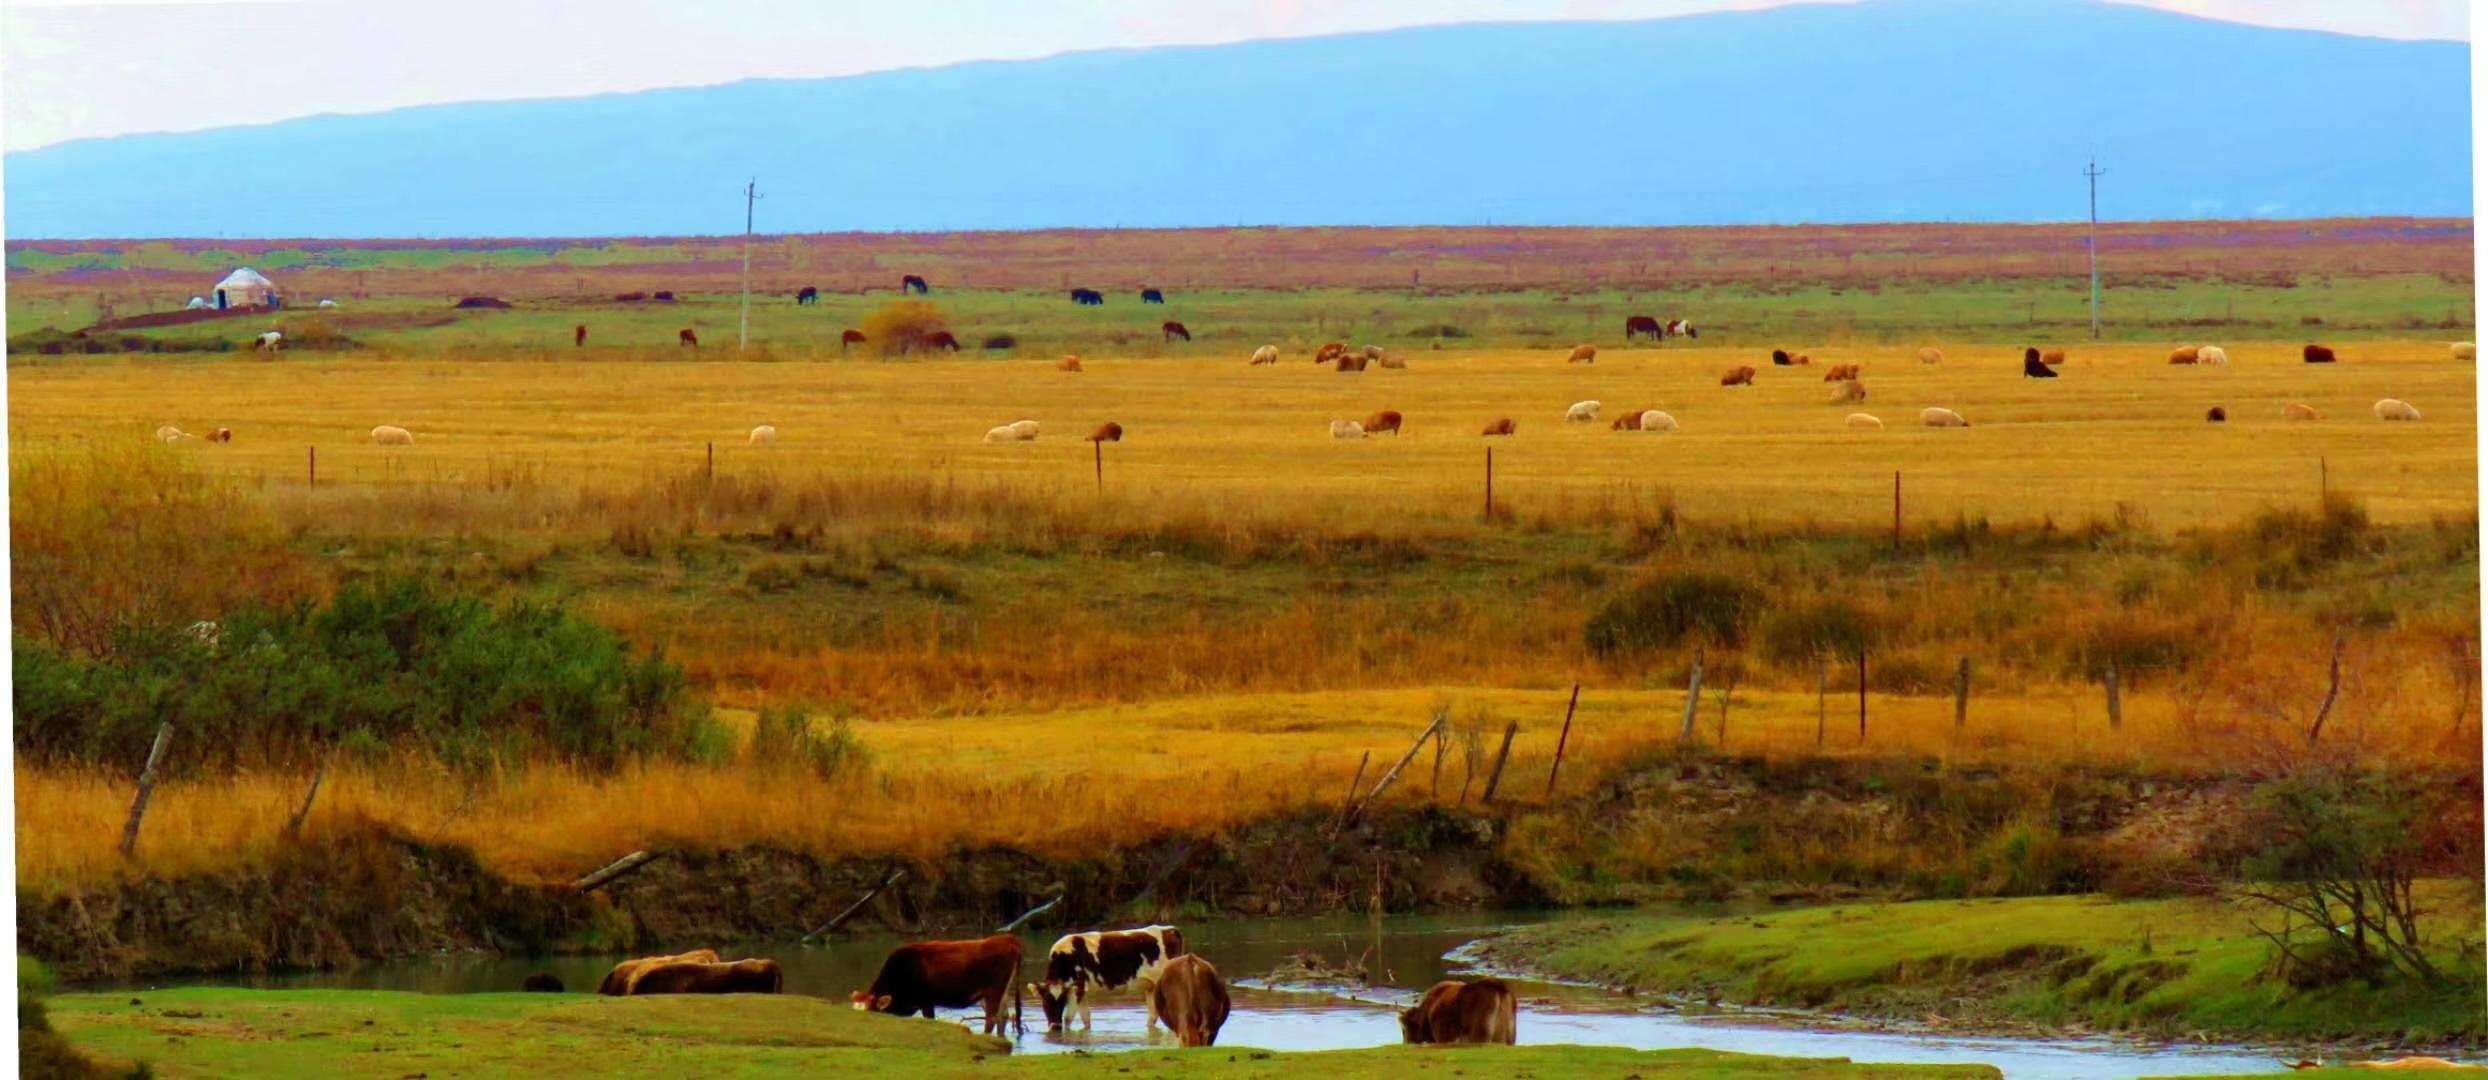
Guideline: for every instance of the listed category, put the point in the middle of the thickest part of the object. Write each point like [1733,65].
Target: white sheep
[764,435]
[1001,434]
[1582,410]
[1654,421]
[271,341]
[169,433]
[2464,350]
[2396,409]
[1938,416]
[328,303]
[1267,354]
[392,435]
[1346,429]
[2211,354]
[1864,420]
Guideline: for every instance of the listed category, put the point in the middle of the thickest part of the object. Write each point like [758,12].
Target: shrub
[1437,330]
[1796,636]
[1665,612]
[1001,341]
[787,737]
[903,327]
[315,332]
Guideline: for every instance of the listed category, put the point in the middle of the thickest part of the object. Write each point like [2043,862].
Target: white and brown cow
[1110,959]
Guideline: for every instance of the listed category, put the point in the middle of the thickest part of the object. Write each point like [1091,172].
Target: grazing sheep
[1583,354]
[2395,409]
[1582,410]
[2185,355]
[1780,358]
[1352,361]
[1107,432]
[1027,429]
[1329,351]
[1373,352]
[1392,361]
[1383,420]
[328,303]
[271,341]
[392,435]
[1652,420]
[1630,421]
[2464,350]
[1801,359]
[1849,393]
[2218,415]
[1068,363]
[1742,375]
[1928,355]
[1864,420]
[1842,372]
[2318,354]
[1938,416]
[2034,366]
[169,433]
[1500,427]
[1001,434]
[1346,429]
[2052,357]
[222,435]
[764,435]
[2297,412]
[1267,354]
[2212,354]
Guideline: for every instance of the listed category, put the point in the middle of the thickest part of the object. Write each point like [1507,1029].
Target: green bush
[393,665]
[787,737]
[1668,611]
[1797,636]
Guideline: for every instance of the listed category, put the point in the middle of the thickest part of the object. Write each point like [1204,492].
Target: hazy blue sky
[83,68]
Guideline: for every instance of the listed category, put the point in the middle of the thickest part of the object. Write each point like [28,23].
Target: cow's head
[1055,999]
[1412,1024]
[867,1001]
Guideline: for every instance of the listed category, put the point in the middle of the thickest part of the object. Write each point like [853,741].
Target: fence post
[1495,778]
[1961,696]
[1562,739]
[315,466]
[712,462]
[1099,445]
[2116,710]
[146,790]
[1490,483]
[1896,509]
[1861,695]
[1693,697]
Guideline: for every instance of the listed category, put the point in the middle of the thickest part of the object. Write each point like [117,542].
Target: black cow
[1152,296]
[809,295]
[1091,297]
[2034,368]
[913,284]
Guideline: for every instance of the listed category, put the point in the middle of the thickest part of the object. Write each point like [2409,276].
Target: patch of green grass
[2174,967]
[337,1035]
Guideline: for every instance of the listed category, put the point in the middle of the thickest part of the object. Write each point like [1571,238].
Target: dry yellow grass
[2121,427]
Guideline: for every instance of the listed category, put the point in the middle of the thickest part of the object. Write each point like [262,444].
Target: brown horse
[688,339]
[1175,331]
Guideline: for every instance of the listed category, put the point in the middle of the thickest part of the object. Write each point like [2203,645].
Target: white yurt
[245,288]
[196,302]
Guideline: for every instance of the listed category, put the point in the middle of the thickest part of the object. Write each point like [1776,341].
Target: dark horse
[913,284]
[1642,326]
[1174,331]
[2032,368]
[809,295]
[1152,296]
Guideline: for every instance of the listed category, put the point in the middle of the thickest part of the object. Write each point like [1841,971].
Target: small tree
[2343,850]
[904,327]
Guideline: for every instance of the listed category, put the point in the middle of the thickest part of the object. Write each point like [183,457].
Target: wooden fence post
[1562,739]
[1896,509]
[613,871]
[1822,695]
[1495,778]
[2116,708]
[1961,696]
[1693,697]
[1099,446]
[294,827]
[711,473]
[1490,483]
[315,466]
[1357,810]
[1861,695]
[146,790]
[1349,802]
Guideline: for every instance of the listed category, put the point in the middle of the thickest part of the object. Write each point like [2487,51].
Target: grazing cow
[1581,410]
[543,982]
[1068,363]
[2297,412]
[1267,354]
[1583,354]
[578,335]
[1383,420]
[687,339]
[2033,367]
[1090,297]
[1329,351]
[808,295]
[848,337]
[2185,354]
[2218,415]
[1741,375]
[1642,326]
[390,435]
[913,284]
[630,297]
[1653,421]
[2212,354]
[1346,429]
[764,435]
[1353,361]
[661,296]
[170,434]
[1174,331]
[941,339]
[1481,1011]
[1780,358]
[1500,427]
[1111,959]
[2318,354]
[2395,409]
[2465,351]
[222,435]
[756,976]
[618,982]
[2052,357]
[271,341]
[1850,392]
[1107,432]
[1152,296]
[1682,328]
[1938,416]
[1864,420]
[1930,355]
[1841,372]
[916,978]
[1192,999]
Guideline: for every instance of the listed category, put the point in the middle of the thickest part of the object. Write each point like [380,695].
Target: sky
[74,69]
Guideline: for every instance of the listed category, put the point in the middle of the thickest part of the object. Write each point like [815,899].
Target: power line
[2094,172]
[751,194]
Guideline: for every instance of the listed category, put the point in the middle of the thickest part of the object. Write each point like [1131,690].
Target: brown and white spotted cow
[1111,959]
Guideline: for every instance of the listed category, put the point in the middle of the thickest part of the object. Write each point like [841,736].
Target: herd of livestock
[1176,986]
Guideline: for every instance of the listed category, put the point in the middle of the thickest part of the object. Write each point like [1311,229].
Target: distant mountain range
[1888,110]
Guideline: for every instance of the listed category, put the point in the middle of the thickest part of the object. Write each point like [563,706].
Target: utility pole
[2094,172]
[751,192]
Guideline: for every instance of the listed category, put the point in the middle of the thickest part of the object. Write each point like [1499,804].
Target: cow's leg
[1149,1000]
[1079,993]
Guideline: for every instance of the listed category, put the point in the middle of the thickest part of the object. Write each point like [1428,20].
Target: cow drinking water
[950,974]
[1111,959]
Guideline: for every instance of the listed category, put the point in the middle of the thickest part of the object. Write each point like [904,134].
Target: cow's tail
[1019,1026]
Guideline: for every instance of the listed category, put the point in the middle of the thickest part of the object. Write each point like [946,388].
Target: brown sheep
[1329,351]
[2052,357]
[1383,420]
[1841,373]
[2185,354]
[2218,415]
[1630,421]
[1741,375]
[1583,354]
[1068,363]
[1353,361]
[1500,427]
[1848,392]
[2319,354]
[1107,432]
[222,435]
[2297,412]
[1930,355]
[1801,359]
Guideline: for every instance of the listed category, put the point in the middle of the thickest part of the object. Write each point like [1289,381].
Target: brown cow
[618,981]
[2052,357]
[1848,392]
[941,339]
[1383,420]
[222,435]
[1174,330]
[1583,354]
[1641,326]
[578,335]
[2185,354]
[1192,999]
[688,339]
[1801,359]
[1107,432]
[1741,375]
[916,978]
[1330,351]
[2318,354]
[1483,1011]
[1500,427]
[1353,361]
[1630,421]
[848,337]
[1841,373]
[756,976]
[1068,363]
